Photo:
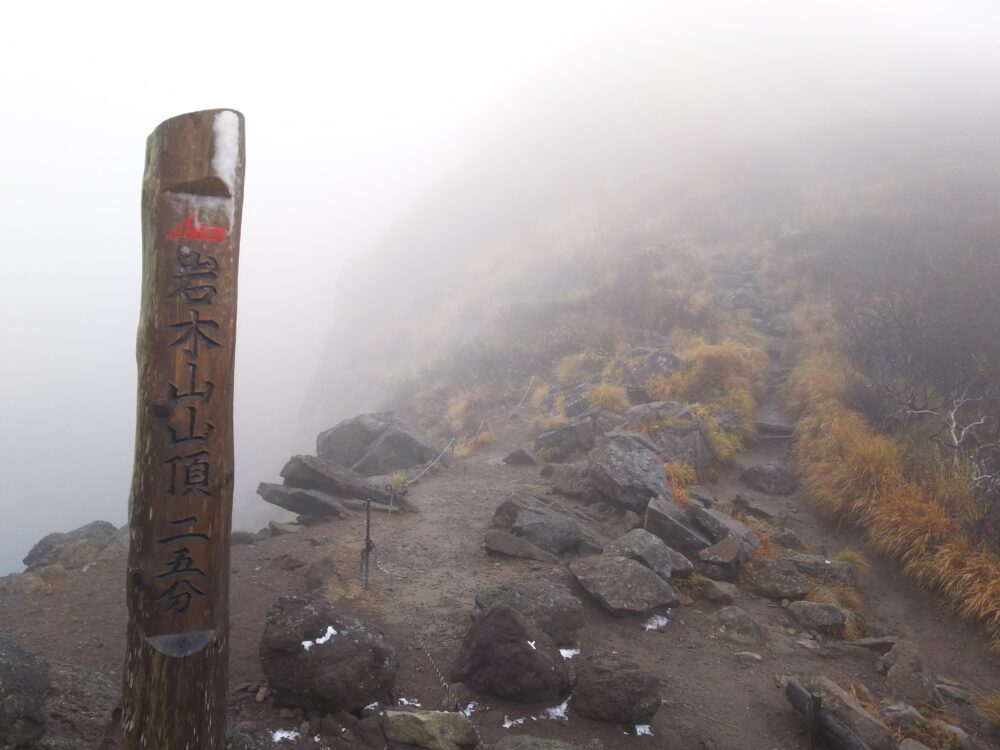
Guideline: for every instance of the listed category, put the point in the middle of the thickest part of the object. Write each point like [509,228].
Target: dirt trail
[431,565]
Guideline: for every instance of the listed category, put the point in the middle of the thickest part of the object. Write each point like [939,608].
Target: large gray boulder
[824,569]
[626,468]
[302,501]
[80,705]
[503,542]
[650,363]
[71,549]
[737,625]
[778,579]
[719,525]
[828,619]
[319,659]
[577,436]
[624,586]
[346,442]
[24,688]
[549,605]
[506,655]
[527,742]
[544,525]
[675,431]
[645,547]
[433,730]
[610,687]
[311,473]
[674,525]
[375,444]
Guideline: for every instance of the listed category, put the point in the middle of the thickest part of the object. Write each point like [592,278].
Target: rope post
[369,544]
[180,505]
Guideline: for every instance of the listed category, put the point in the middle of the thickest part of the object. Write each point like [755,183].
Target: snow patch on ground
[569,653]
[469,710]
[508,723]
[557,712]
[656,622]
[643,730]
[409,702]
[285,735]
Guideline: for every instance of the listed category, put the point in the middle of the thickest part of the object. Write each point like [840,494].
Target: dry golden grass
[463,448]
[855,558]
[539,394]
[853,473]
[557,418]
[397,479]
[485,437]
[576,368]
[660,388]
[680,476]
[987,706]
[609,397]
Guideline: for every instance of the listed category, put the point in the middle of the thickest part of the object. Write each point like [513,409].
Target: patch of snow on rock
[569,653]
[285,735]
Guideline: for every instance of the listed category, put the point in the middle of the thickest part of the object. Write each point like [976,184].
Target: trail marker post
[180,507]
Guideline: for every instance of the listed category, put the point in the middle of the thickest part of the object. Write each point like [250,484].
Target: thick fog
[388,145]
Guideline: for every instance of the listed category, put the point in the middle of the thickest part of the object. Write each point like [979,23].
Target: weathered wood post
[176,662]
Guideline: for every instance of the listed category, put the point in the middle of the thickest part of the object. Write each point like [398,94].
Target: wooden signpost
[176,663]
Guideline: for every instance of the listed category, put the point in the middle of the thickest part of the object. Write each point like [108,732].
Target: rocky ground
[710,674]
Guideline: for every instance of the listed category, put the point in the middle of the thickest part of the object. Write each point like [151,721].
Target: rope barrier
[428,467]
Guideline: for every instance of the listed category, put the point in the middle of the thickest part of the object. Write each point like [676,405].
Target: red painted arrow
[188,230]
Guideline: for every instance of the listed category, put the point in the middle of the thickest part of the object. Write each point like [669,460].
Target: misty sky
[354,111]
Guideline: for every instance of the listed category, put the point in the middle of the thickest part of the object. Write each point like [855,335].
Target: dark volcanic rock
[80,706]
[732,552]
[824,569]
[674,431]
[778,579]
[772,478]
[544,525]
[520,457]
[24,687]
[719,525]
[627,469]
[652,362]
[551,606]
[317,659]
[571,480]
[375,444]
[301,501]
[73,548]
[824,618]
[399,447]
[346,442]
[674,525]
[505,655]
[559,444]
[738,625]
[623,586]
[505,543]
[610,687]
[309,472]
[645,547]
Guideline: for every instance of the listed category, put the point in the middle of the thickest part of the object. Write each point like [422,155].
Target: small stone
[748,656]
[261,694]
[737,625]
[720,592]
[902,715]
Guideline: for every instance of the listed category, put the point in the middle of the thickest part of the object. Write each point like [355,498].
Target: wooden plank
[833,730]
[180,507]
